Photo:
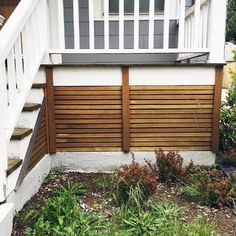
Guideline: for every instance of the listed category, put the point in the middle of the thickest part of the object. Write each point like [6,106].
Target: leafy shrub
[61,215]
[210,187]
[134,179]
[228,119]
[170,166]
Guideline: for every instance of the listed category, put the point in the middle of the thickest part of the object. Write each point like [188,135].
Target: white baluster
[166,24]
[76,24]
[91,24]
[136,24]
[121,24]
[19,65]
[197,23]
[151,23]
[11,74]
[181,24]
[106,24]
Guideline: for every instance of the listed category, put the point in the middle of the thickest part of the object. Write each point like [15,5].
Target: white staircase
[23,46]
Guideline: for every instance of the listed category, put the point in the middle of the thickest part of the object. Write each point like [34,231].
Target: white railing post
[3,136]
[61,27]
[216,31]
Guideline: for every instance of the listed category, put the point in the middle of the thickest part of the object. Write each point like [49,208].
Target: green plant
[231,21]
[210,187]
[228,119]
[133,180]
[60,214]
[170,166]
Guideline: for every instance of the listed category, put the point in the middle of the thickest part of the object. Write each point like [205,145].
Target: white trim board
[112,76]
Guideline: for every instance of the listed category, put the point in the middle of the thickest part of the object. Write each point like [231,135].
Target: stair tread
[39,85]
[31,106]
[13,164]
[20,133]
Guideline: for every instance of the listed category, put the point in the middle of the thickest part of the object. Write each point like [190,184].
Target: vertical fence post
[197,23]
[125,109]
[3,136]
[50,110]
[216,108]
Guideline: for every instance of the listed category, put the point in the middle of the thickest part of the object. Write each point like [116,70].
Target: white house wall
[112,76]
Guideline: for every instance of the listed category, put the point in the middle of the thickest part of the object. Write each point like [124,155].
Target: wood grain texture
[125,109]
[88,118]
[105,118]
[171,117]
[216,108]
[50,110]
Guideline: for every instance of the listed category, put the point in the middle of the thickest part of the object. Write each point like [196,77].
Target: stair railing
[23,44]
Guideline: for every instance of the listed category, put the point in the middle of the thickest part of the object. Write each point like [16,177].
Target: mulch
[96,198]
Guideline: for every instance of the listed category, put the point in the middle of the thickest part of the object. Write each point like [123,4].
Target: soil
[96,199]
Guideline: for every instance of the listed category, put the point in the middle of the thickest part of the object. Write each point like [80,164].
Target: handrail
[14,25]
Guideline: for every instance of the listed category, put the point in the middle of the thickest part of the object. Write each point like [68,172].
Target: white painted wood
[197,23]
[166,24]
[136,24]
[216,31]
[130,51]
[3,136]
[6,219]
[106,24]
[181,24]
[172,75]
[72,76]
[11,74]
[121,24]
[76,24]
[91,24]
[151,24]
[19,64]
[61,34]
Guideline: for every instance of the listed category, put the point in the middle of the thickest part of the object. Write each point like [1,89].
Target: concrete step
[20,133]
[13,164]
[29,107]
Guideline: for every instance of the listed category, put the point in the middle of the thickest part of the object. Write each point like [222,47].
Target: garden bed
[98,199]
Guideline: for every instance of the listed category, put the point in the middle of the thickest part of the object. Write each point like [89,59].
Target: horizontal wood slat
[88,118]
[171,117]
[39,149]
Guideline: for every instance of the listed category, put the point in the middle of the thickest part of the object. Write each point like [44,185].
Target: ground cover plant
[135,200]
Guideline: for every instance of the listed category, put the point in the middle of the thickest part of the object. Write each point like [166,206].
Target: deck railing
[23,44]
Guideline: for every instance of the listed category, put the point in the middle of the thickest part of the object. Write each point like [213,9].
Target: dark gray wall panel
[119,59]
[68,23]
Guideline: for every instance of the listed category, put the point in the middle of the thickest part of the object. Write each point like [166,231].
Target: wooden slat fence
[137,118]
